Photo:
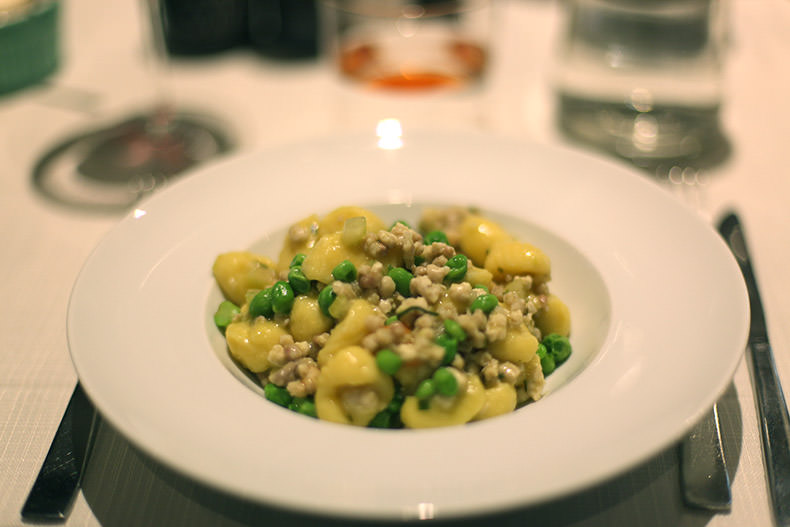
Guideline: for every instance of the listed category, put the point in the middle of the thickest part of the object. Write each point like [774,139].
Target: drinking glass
[642,79]
[111,168]
[417,61]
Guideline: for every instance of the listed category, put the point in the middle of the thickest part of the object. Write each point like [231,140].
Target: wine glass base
[110,169]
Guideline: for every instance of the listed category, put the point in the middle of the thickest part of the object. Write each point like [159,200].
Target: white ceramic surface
[658,306]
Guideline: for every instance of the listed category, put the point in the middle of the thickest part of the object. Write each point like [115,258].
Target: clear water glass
[642,79]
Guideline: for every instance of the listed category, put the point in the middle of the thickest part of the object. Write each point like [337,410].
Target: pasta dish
[395,326]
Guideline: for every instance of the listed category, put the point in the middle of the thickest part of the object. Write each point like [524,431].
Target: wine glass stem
[154,38]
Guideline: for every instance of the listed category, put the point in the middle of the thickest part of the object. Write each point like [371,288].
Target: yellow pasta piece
[510,257]
[250,343]
[478,276]
[237,272]
[465,407]
[335,220]
[306,319]
[301,238]
[500,400]
[350,330]
[478,234]
[329,251]
[411,373]
[519,345]
[351,388]
[554,317]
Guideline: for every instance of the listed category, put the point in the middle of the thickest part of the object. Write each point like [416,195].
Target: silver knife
[703,470]
[53,491]
[771,405]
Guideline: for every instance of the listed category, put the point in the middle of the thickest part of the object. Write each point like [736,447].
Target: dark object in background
[29,43]
[199,27]
[283,29]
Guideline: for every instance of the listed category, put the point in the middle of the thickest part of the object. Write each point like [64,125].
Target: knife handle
[774,429]
[59,478]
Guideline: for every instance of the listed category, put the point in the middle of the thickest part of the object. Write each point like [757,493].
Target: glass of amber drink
[405,52]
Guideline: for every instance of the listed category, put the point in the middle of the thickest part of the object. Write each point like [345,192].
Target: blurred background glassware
[111,168]
[200,27]
[642,79]
[407,58]
[284,29]
[29,42]
[278,29]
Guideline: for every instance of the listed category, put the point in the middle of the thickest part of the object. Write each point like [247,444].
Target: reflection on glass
[390,134]
[425,511]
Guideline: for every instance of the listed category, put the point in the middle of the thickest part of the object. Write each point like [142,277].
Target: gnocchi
[441,324]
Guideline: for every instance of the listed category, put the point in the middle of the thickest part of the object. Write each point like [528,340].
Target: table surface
[267,104]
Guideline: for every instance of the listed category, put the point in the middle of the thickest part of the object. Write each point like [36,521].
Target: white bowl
[658,306]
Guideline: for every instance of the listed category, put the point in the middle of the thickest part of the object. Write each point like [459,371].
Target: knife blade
[703,470]
[771,404]
[53,492]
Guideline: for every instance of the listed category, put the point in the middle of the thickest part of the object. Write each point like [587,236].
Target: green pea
[308,409]
[559,347]
[425,390]
[389,417]
[225,313]
[402,279]
[297,260]
[480,286]
[325,299]
[299,282]
[486,303]
[261,304]
[282,298]
[547,364]
[454,329]
[381,420]
[435,237]
[458,265]
[445,382]
[277,394]
[345,271]
[303,405]
[450,346]
[388,361]
[458,261]
[391,320]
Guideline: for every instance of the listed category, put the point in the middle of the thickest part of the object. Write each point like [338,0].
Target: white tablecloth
[268,104]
